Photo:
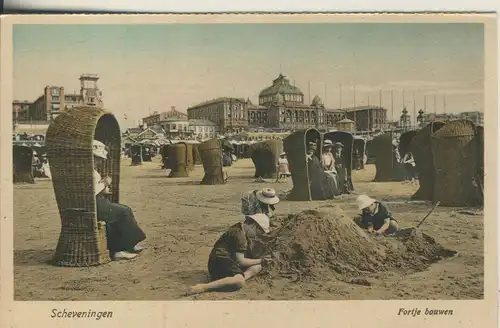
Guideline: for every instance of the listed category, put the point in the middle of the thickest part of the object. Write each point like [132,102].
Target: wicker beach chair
[420,147]
[82,241]
[295,146]
[22,157]
[360,146]
[347,140]
[456,155]
[265,157]
[178,160]
[211,156]
[164,156]
[136,154]
[196,154]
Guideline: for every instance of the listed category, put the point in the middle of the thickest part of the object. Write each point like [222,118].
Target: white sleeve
[99,186]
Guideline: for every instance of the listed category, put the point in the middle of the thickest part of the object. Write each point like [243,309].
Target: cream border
[480,313]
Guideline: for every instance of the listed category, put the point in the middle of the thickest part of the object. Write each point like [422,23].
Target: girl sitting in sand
[227,265]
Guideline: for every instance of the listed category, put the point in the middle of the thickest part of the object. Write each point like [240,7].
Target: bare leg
[237,281]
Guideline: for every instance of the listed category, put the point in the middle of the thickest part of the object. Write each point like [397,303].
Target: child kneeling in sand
[227,265]
[375,216]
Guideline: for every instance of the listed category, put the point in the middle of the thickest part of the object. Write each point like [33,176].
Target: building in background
[203,129]
[367,118]
[230,114]
[54,100]
[157,118]
[20,109]
[475,116]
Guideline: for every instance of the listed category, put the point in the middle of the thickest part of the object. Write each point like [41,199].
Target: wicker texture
[420,147]
[265,157]
[456,158]
[211,156]
[82,241]
[196,154]
[347,140]
[178,160]
[22,157]
[295,146]
[136,154]
[360,146]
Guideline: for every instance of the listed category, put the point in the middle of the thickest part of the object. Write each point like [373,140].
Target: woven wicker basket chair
[420,147]
[136,154]
[295,146]
[360,147]
[387,166]
[164,156]
[347,140]
[457,159]
[405,141]
[190,158]
[211,156]
[22,157]
[178,160]
[265,157]
[196,154]
[82,241]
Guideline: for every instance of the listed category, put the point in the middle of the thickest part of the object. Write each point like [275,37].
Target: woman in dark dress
[123,232]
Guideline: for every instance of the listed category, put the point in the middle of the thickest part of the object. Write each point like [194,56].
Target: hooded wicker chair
[196,154]
[347,140]
[211,156]
[82,241]
[164,156]
[359,146]
[420,147]
[178,160]
[295,146]
[457,160]
[265,157]
[387,166]
[23,164]
[136,154]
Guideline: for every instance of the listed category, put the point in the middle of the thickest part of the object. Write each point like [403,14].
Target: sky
[146,68]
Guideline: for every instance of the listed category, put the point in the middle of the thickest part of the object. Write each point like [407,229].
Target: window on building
[173,126]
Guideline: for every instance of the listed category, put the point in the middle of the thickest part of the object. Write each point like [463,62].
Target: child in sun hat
[376,216]
[228,266]
[259,201]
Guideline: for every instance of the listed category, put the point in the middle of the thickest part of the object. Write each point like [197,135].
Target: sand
[183,220]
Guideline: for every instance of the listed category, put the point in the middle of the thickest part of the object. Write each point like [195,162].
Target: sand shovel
[415,230]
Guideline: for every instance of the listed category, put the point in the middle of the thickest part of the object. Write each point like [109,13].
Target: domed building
[283,106]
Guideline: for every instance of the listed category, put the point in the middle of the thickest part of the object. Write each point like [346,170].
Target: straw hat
[262,220]
[364,201]
[338,144]
[327,143]
[283,154]
[268,196]
[99,149]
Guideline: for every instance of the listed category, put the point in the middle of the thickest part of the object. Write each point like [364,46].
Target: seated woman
[123,232]
[323,185]
[227,265]
[376,217]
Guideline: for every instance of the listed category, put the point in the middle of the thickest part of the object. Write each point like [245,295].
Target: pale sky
[159,66]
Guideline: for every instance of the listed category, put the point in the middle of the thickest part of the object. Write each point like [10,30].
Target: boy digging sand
[227,264]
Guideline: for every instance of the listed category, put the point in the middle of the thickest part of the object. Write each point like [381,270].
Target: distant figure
[282,168]
[340,167]
[409,163]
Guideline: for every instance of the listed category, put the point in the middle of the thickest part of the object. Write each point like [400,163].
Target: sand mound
[314,244]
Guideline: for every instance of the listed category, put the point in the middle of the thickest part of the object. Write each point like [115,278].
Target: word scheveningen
[56,313]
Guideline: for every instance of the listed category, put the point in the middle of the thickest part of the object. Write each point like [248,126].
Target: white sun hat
[283,154]
[262,220]
[327,143]
[99,149]
[268,196]
[364,201]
